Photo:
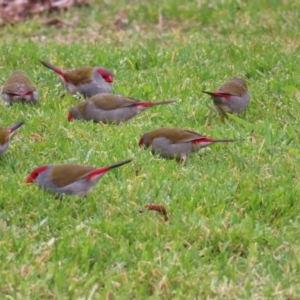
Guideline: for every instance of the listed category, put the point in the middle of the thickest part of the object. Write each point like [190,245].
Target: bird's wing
[233,87]
[111,101]
[79,76]
[18,82]
[4,136]
[63,175]
[175,135]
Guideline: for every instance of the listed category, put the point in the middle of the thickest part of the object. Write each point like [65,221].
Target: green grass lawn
[233,229]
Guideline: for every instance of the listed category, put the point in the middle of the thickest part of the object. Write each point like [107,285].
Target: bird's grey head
[74,114]
[105,74]
[144,140]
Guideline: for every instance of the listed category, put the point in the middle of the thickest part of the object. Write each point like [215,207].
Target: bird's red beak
[70,117]
[141,143]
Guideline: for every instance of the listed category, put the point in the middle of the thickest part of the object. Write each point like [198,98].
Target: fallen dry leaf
[34,137]
[158,208]
[121,21]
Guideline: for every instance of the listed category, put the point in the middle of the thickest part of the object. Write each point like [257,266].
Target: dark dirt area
[12,11]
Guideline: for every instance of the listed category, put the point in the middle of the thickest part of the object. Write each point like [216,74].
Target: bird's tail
[120,164]
[209,93]
[101,171]
[150,104]
[219,94]
[53,68]
[208,140]
[163,102]
[15,127]
[223,140]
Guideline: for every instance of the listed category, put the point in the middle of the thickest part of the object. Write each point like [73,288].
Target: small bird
[176,143]
[231,97]
[110,108]
[88,81]
[69,179]
[5,135]
[18,87]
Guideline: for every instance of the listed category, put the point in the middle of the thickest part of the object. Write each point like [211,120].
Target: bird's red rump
[144,104]
[202,140]
[35,173]
[141,142]
[223,95]
[62,76]
[97,172]
[60,73]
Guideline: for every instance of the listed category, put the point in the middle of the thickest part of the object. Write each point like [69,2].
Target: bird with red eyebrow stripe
[5,135]
[231,97]
[19,88]
[88,81]
[176,143]
[69,179]
[110,108]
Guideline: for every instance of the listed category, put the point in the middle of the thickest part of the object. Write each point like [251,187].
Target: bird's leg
[183,159]
[224,117]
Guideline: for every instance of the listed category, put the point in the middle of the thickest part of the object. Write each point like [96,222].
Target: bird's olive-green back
[17,80]
[79,75]
[81,107]
[62,175]
[4,136]
[235,86]
[175,135]
[111,101]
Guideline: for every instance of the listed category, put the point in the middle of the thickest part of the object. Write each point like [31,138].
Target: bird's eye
[35,175]
[106,76]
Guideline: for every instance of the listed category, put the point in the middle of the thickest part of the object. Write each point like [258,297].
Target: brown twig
[158,208]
